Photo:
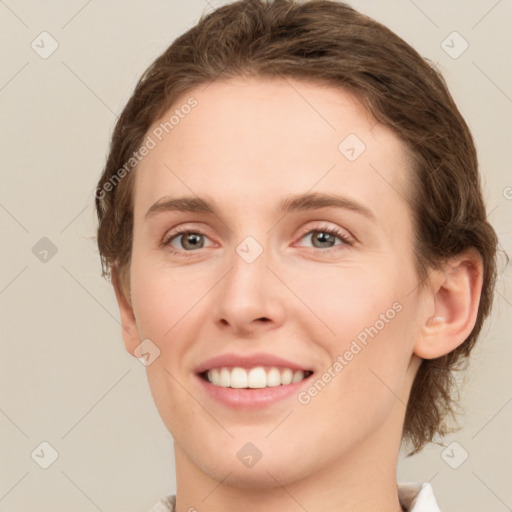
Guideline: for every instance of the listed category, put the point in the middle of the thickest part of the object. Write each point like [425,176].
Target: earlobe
[456,295]
[128,322]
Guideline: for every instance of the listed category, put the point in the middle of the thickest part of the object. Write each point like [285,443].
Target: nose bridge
[249,272]
[248,291]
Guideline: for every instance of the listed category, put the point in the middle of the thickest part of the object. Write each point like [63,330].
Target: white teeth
[256,377]
[287,376]
[225,378]
[273,377]
[297,376]
[238,378]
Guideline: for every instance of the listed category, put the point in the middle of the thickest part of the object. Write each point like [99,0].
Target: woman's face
[276,268]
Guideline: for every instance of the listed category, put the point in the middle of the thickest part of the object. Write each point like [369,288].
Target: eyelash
[184,231]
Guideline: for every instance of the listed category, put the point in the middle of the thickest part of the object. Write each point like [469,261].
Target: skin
[247,145]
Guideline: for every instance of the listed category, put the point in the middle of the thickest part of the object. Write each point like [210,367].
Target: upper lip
[248,361]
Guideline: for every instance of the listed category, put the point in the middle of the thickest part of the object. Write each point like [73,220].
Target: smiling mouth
[253,378]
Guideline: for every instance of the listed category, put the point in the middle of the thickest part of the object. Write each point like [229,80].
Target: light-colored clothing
[413,496]
[417,497]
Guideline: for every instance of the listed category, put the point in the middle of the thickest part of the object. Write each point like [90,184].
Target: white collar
[417,497]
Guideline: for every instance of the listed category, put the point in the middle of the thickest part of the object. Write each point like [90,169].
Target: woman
[292,220]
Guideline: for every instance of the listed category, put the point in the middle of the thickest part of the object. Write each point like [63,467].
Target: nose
[250,297]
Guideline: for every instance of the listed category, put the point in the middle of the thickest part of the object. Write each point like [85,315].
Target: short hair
[328,43]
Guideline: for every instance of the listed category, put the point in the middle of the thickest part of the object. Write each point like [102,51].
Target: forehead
[260,138]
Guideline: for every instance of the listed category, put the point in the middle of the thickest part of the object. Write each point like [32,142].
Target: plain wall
[65,377]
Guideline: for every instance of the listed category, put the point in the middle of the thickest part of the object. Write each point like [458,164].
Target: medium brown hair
[330,43]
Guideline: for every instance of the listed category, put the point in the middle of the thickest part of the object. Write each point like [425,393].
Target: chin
[262,476]
[274,468]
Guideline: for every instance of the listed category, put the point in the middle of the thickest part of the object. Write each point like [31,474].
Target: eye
[182,240]
[190,240]
[325,237]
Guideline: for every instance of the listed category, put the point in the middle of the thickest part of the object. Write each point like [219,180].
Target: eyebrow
[297,203]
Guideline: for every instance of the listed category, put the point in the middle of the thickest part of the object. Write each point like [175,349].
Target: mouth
[248,382]
[257,377]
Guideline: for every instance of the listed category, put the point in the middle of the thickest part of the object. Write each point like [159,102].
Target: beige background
[65,377]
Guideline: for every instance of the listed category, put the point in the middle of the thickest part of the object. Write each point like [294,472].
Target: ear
[128,322]
[455,291]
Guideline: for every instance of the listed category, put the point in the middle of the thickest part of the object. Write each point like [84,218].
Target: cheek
[367,385]
[346,301]
[165,297]
[374,364]
[363,328]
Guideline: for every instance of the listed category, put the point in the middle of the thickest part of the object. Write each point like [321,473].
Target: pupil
[323,237]
[193,239]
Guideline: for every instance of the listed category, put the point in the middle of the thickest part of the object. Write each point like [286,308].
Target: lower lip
[252,398]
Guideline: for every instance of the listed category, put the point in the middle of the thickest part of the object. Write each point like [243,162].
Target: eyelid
[326,226]
[181,230]
[347,240]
